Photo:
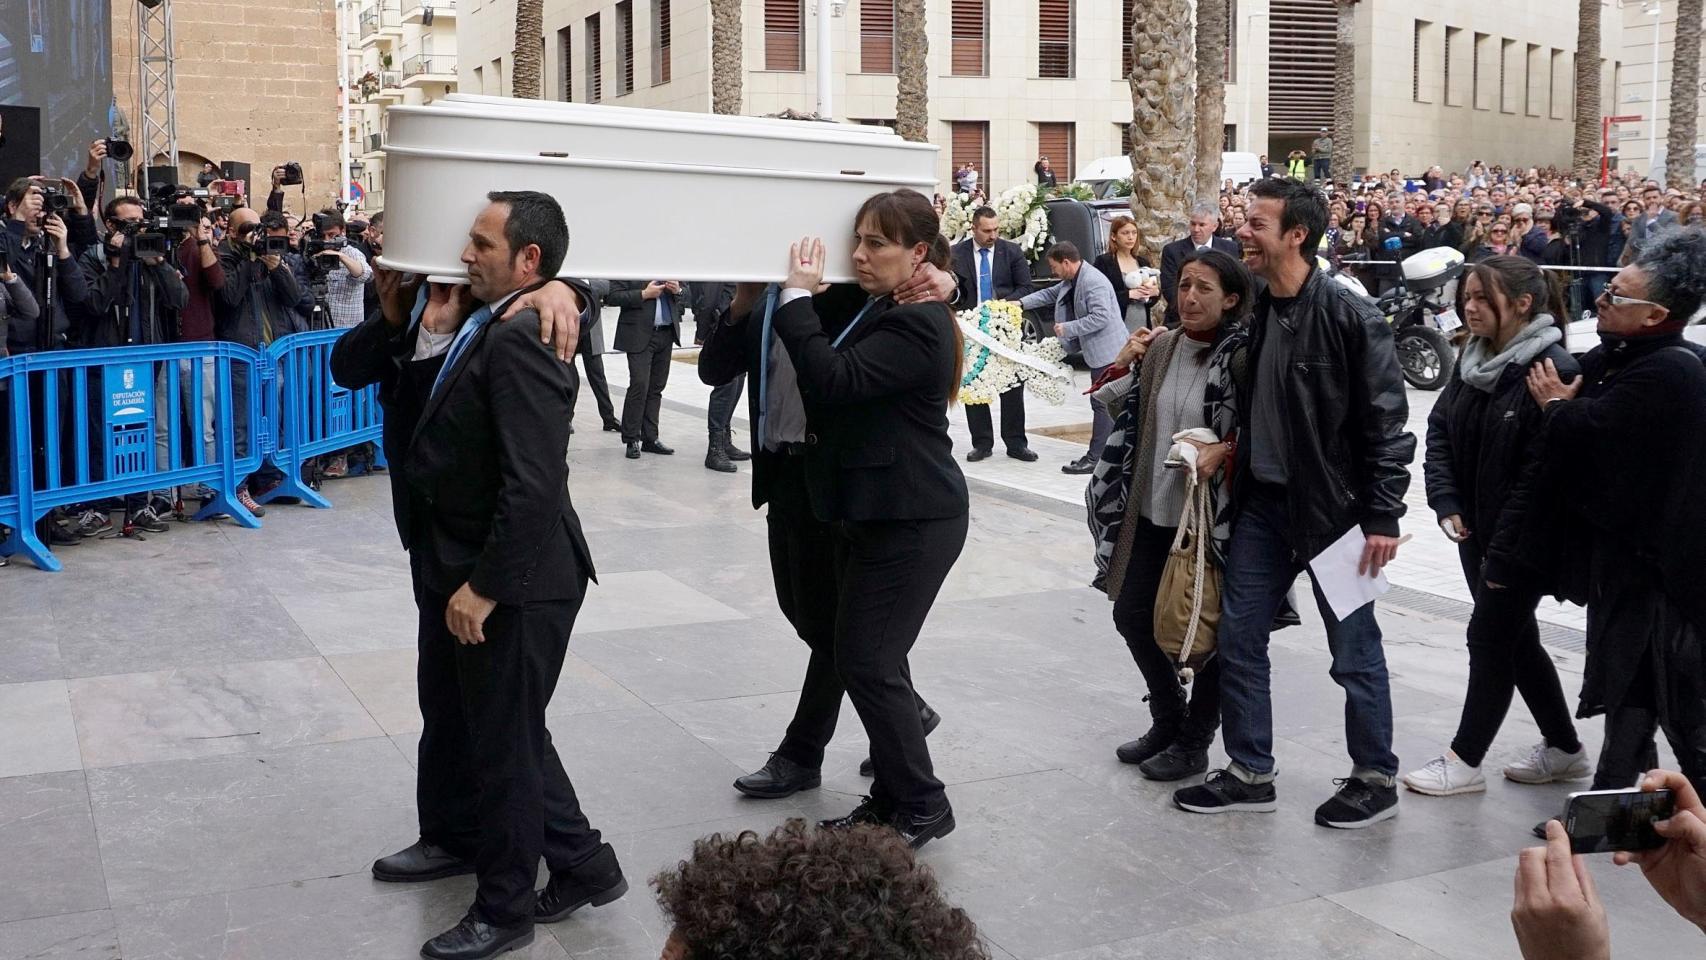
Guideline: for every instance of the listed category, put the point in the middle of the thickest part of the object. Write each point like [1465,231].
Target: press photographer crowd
[1259,421]
[88,267]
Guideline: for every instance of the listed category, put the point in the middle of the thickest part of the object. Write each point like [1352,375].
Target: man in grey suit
[1654,218]
[648,330]
[990,268]
[1086,316]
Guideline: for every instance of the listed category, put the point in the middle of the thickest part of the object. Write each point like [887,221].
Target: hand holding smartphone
[1606,821]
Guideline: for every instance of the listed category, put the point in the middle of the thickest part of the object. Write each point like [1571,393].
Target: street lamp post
[1245,80]
[1657,13]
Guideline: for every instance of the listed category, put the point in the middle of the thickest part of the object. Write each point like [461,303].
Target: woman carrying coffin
[877,379]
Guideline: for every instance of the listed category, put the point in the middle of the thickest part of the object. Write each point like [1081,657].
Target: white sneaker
[1548,764]
[1446,776]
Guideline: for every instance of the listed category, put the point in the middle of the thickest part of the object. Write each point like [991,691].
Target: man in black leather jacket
[1322,450]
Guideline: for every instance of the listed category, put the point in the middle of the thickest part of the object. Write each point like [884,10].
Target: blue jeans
[1260,568]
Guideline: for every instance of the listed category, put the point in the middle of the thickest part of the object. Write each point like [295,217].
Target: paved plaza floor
[205,739]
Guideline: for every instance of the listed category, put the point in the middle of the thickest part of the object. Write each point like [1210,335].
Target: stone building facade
[256,82]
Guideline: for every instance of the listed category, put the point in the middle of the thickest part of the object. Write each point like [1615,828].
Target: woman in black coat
[877,379]
[1480,440]
[1121,263]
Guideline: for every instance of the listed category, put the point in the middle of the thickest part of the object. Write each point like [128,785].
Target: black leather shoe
[1025,454]
[612,426]
[652,446]
[918,831]
[1080,466]
[977,454]
[476,940]
[1174,763]
[598,883]
[633,451]
[420,862]
[931,720]
[869,810]
[778,778]
[1159,738]
[735,453]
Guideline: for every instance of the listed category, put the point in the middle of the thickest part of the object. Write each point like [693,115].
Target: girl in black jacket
[1480,439]
[877,379]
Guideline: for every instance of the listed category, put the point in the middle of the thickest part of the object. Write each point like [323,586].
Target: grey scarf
[1481,370]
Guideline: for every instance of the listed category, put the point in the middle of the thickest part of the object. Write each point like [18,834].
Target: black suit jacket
[479,470]
[634,324]
[1173,257]
[1010,272]
[1110,267]
[591,335]
[876,408]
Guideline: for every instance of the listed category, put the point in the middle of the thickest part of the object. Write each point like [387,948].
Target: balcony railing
[429,64]
[369,22]
[416,11]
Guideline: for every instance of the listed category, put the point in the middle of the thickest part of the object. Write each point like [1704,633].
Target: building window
[876,122]
[565,63]
[1055,141]
[1531,89]
[969,143]
[1054,39]
[625,47]
[1560,105]
[969,35]
[1416,61]
[1451,46]
[480,79]
[1229,138]
[660,42]
[1125,138]
[496,75]
[1127,8]
[876,36]
[594,60]
[784,35]
[1475,73]
[1507,83]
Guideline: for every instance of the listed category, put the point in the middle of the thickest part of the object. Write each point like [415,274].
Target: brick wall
[257,82]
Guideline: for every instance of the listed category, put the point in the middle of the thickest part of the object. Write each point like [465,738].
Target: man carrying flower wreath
[990,268]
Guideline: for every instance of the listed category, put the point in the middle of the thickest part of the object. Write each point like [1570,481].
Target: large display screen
[56,56]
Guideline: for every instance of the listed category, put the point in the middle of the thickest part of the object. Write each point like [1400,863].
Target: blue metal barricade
[86,425]
[314,416]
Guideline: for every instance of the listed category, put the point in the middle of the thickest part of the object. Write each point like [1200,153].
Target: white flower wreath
[998,358]
[1020,211]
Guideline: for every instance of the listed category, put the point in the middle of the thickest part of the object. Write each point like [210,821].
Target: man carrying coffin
[476,430]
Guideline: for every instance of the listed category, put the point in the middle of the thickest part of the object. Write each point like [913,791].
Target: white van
[1102,174]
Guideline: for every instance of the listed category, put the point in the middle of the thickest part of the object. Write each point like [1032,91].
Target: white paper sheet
[1335,572]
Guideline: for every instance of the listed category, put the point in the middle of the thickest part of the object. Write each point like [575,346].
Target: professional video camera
[1567,219]
[164,225]
[315,241]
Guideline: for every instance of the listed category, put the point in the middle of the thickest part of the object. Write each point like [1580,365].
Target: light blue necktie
[985,282]
[666,310]
[836,345]
[764,366]
[470,327]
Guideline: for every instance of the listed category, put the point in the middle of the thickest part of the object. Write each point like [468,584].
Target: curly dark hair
[810,894]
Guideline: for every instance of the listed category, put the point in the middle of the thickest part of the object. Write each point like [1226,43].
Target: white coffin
[649,194]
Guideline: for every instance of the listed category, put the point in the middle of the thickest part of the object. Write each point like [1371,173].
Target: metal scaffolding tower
[157,85]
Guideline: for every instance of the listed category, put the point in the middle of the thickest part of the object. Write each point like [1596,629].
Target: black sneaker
[1358,804]
[147,520]
[869,810]
[93,522]
[1224,793]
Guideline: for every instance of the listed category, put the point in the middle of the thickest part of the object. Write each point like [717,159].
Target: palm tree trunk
[529,48]
[1163,113]
[1684,97]
[727,71]
[1585,155]
[912,75]
[1211,96]
[1344,93]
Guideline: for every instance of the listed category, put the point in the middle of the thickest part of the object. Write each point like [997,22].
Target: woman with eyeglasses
[1621,227]
[1480,440]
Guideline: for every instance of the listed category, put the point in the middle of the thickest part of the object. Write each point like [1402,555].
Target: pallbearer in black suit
[743,345]
[477,430]
[877,379]
[990,268]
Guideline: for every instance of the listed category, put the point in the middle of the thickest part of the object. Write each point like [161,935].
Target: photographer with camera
[288,174]
[260,302]
[135,295]
[331,255]
[40,213]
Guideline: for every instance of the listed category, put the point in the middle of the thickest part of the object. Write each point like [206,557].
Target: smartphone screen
[1603,821]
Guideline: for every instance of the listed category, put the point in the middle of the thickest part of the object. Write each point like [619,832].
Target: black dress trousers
[490,785]
[889,573]
[1012,421]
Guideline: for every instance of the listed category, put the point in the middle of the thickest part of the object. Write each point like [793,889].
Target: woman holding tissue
[1480,439]
[877,378]
[1179,379]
